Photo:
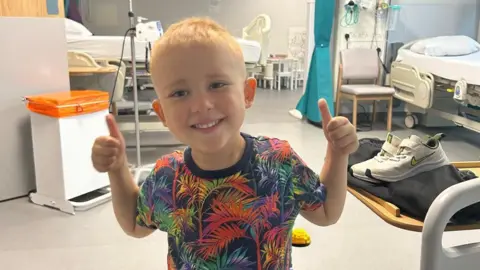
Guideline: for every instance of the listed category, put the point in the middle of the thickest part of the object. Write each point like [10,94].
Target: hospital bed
[254,45]
[257,32]
[107,47]
[437,85]
[80,39]
[111,47]
[87,72]
[152,132]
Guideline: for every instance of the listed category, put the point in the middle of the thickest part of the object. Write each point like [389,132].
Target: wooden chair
[362,64]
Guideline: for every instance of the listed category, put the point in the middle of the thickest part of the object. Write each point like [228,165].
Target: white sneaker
[414,156]
[389,149]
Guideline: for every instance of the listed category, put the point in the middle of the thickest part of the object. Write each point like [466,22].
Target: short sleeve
[145,205]
[154,202]
[309,192]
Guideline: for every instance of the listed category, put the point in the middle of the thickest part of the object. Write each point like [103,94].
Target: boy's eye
[217,85]
[179,93]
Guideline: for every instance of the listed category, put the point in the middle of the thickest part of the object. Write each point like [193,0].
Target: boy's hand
[340,133]
[108,152]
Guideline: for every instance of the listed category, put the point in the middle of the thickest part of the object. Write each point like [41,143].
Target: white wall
[428,18]
[109,17]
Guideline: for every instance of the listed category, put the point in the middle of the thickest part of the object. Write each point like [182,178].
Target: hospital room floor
[36,237]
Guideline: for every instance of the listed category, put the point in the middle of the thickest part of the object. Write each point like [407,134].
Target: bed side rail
[433,255]
[411,85]
[259,30]
[81,59]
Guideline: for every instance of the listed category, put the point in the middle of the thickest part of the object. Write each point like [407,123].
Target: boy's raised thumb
[113,127]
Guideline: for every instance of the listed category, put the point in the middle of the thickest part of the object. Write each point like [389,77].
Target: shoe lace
[387,151]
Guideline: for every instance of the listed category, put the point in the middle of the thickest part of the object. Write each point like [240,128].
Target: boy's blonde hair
[196,30]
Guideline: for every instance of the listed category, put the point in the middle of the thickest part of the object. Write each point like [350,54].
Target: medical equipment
[423,82]
[131,15]
[393,14]
[149,31]
[460,93]
[255,41]
[382,10]
[364,4]
[351,15]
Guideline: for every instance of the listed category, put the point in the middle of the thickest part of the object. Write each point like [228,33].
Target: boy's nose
[202,104]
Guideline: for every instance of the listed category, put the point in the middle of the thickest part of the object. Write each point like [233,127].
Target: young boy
[229,201]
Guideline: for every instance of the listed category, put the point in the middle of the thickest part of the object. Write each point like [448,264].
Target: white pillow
[76,29]
[446,46]
[418,47]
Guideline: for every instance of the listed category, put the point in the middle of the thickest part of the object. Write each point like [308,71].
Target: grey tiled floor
[34,237]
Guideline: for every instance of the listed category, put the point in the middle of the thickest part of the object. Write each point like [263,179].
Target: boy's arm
[125,194]
[342,141]
[334,178]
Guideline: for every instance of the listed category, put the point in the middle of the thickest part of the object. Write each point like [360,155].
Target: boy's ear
[158,110]
[250,90]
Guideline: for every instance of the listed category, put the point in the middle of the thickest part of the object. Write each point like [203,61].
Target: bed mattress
[455,68]
[107,47]
[111,47]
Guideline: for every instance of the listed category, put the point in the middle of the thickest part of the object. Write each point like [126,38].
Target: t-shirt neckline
[222,173]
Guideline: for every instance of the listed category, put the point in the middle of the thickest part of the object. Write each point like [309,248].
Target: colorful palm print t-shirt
[235,218]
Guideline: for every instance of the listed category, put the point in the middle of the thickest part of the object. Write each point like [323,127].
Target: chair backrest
[359,64]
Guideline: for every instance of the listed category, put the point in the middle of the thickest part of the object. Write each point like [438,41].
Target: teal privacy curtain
[319,82]
[66,5]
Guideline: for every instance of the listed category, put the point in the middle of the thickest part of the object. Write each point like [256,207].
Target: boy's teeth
[207,125]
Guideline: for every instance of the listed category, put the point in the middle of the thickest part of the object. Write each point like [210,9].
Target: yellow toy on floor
[300,238]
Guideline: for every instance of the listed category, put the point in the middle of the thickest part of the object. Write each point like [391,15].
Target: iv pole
[131,15]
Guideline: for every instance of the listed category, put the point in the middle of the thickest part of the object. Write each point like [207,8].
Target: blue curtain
[319,82]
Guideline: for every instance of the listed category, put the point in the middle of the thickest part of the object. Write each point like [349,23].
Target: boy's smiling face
[203,93]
